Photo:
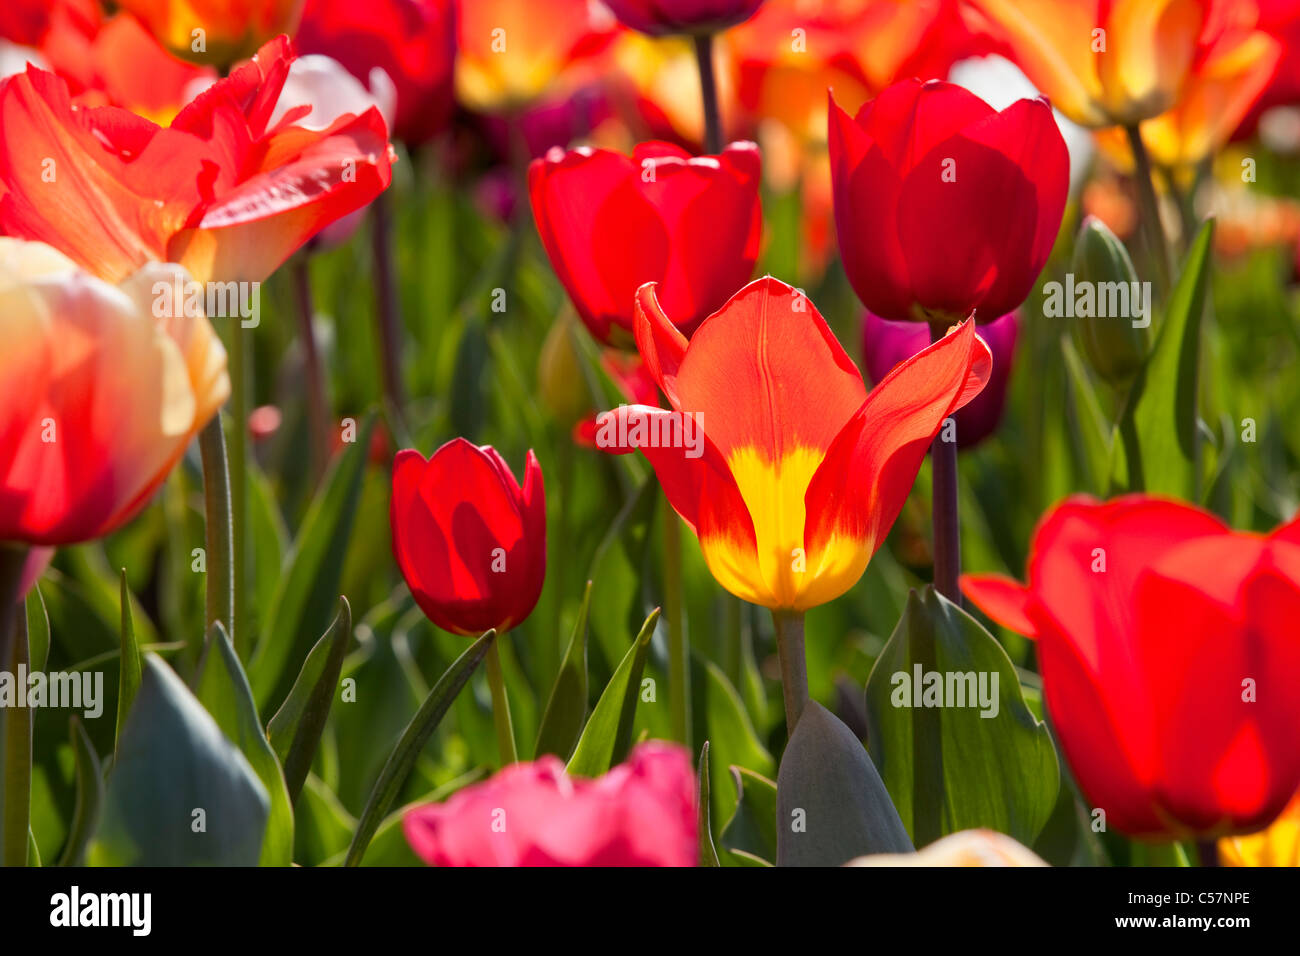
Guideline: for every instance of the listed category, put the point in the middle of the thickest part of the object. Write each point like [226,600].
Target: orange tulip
[1103,62]
[99,393]
[215,31]
[512,52]
[773,452]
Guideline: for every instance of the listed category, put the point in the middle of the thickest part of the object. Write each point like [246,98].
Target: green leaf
[128,671]
[296,728]
[720,717]
[310,582]
[566,709]
[15,751]
[412,741]
[708,854]
[223,689]
[1089,428]
[608,734]
[90,795]
[750,834]
[173,770]
[951,768]
[831,805]
[38,629]
[1157,444]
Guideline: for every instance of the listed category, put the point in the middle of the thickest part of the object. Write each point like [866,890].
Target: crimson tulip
[773,452]
[641,813]
[610,223]
[886,343]
[1168,650]
[943,205]
[412,41]
[659,17]
[469,541]
[224,190]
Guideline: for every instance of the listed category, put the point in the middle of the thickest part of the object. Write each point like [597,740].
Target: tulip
[101,392]
[1115,347]
[1276,845]
[219,32]
[610,223]
[470,543]
[220,190]
[1103,62]
[659,17]
[640,813]
[513,52]
[412,41]
[919,174]
[885,344]
[1166,643]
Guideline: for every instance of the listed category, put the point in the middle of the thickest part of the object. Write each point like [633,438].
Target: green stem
[240,375]
[501,706]
[218,531]
[679,674]
[709,94]
[318,415]
[794,665]
[389,319]
[16,744]
[1149,208]
[943,501]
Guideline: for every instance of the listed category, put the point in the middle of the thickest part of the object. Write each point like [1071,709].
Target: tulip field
[718,433]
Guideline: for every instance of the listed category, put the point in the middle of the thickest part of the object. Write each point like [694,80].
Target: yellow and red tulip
[215,31]
[785,467]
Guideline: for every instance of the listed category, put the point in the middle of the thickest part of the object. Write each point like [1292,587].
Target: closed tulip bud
[559,379]
[1116,346]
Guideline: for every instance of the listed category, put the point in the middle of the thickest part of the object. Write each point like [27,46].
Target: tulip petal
[1002,598]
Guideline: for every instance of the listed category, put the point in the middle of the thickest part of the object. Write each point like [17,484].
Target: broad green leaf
[296,728]
[1157,441]
[959,751]
[412,741]
[1088,425]
[608,734]
[750,834]
[309,583]
[223,689]
[90,795]
[708,854]
[180,793]
[831,805]
[566,709]
[38,629]
[128,671]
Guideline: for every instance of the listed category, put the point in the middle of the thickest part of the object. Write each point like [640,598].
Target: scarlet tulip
[222,190]
[920,174]
[773,452]
[99,394]
[412,41]
[1168,651]
[641,813]
[611,223]
[219,32]
[659,17]
[1103,62]
[886,344]
[469,541]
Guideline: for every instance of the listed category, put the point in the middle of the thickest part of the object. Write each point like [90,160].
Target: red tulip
[611,223]
[773,452]
[658,17]
[222,190]
[470,543]
[886,344]
[943,205]
[641,813]
[1170,658]
[412,41]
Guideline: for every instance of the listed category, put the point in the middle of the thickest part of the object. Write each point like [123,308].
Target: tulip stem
[16,744]
[679,674]
[709,93]
[318,415]
[794,665]
[1149,208]
[390,326]
[238,477]
[943,495]
[501,705]
[218,531]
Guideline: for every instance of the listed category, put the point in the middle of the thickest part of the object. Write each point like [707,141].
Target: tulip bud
[559,379]
[1114,345]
